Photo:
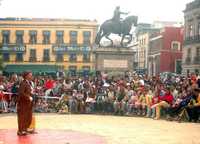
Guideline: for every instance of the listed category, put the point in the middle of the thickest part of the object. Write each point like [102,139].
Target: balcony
[32,59]
[196,60]
[46,59]
[86,60]
[192,40]
[188,60]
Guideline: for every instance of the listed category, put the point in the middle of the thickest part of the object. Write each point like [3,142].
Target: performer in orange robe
[24,104]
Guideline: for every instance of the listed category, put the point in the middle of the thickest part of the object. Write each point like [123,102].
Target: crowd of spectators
[169,97]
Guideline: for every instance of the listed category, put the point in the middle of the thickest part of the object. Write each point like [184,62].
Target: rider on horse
[116,26]
[116,17]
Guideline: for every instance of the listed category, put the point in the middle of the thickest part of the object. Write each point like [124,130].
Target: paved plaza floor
[82,129]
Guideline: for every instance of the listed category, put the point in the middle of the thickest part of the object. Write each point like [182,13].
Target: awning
[34,68]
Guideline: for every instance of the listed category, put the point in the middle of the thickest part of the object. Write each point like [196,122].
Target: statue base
[114,59]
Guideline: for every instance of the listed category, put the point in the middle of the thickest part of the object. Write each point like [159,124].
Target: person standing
[24,104]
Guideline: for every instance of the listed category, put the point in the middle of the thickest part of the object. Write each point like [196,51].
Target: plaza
[110,129]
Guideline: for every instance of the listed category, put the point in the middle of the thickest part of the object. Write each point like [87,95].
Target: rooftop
[44,19]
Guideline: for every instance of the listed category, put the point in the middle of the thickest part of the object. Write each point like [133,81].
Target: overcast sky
[147,10]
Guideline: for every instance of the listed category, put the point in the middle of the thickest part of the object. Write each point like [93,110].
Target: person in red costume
[24,104]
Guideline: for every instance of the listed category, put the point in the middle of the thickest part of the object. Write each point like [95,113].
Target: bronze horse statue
[122,28]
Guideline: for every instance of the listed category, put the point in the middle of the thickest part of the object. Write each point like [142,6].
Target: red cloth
[168,97]
[49,84]
[1,96]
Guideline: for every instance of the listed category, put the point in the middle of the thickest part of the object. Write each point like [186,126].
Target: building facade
[162,24]
[143,32]
[47,45]
[165,51]
[191,50]
[143,44]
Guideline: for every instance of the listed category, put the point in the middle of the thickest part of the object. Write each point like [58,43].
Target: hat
[26,73]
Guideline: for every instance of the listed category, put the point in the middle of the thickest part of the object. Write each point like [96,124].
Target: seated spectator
[90,100]
[131,104]
[119,104]
[149,98]
[140,104]
[164,102]
[193,108]
[80,101]
[111,99]
[73,102]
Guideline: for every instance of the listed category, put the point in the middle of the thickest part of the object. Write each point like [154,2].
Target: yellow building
[47,45]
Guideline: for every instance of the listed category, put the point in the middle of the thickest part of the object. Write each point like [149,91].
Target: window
[19,57]
[197,57]
[73,37]
[72,70]
[86,57]
[32,57]
[5,35]
[46,55]
[59,37]
[86,37]
[188,58]
[6,57]
[190,30]
[198,51]
[33,37]
[72,57]
[175,46]
[199,28]
[46,37]
[59,57]
[19,37]
[188,52]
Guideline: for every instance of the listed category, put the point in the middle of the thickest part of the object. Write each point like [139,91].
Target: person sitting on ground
[193,108]
[165,102]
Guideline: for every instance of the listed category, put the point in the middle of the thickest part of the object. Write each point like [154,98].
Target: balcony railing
[192,40]
[32,59]
[86,60]
[188,60]
[46,59]
[196,60]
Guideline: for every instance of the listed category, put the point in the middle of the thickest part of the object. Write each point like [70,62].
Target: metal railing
[192,40]
[188,60]
[196,60]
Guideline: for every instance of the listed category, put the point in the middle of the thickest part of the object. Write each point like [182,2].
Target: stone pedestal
[114,59]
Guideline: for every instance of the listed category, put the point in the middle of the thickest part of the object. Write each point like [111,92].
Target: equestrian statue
[117,26]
